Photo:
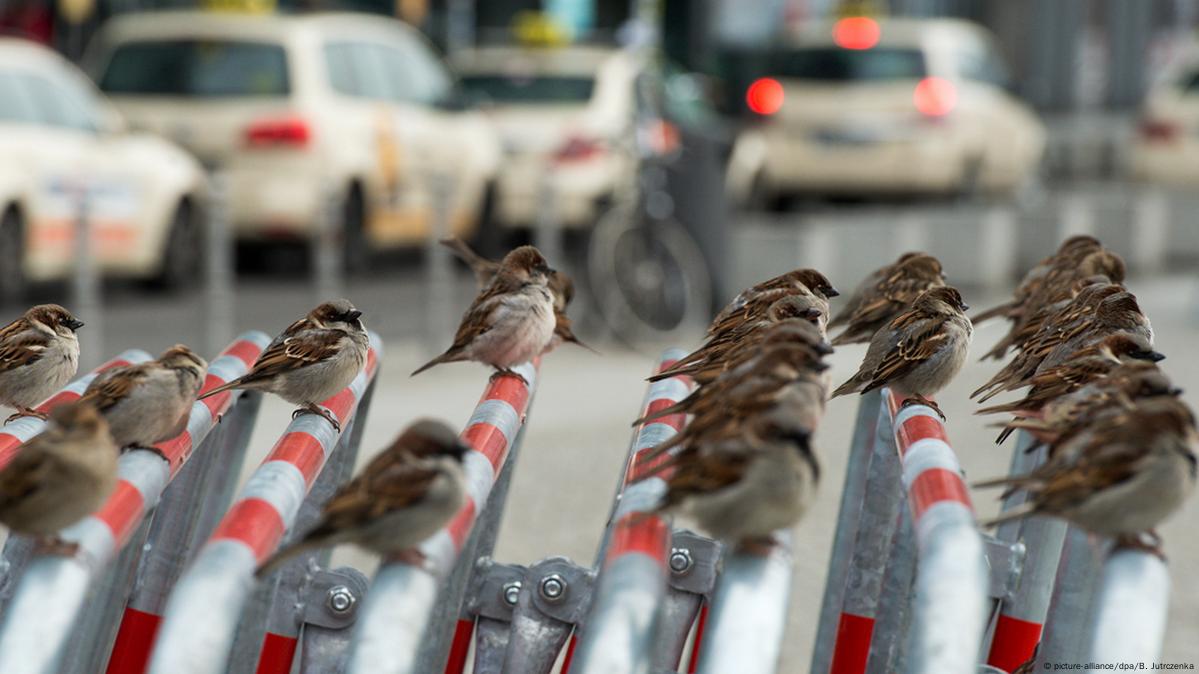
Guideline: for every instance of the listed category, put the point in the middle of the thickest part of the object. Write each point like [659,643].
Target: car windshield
[203,68]
[541,89]
[834,64]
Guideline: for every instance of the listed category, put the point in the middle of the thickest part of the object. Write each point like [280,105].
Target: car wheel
[183,253]
[970,185]
[356,249]
[12,259]
[490,238]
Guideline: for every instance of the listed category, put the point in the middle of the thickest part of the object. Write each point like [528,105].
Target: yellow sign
[847,8]
[243,6]
[76,11]
[537,29]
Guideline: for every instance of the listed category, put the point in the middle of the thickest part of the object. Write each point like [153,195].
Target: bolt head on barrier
[680,561]
[553,588]
[511,592]
[340,599]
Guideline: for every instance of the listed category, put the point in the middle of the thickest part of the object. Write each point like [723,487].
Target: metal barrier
[54,586]
[202,610]
[1130,616]
[396,633]
[618,635]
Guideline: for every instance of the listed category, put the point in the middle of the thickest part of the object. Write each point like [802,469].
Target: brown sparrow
[1020,334]
[149,402]
[753,303]
[312,360]
[919,352]
[403,496]
[60,476]
[885,294]
[511,321]
[1071,250]
[560,285]
[39,354]
[1121,477]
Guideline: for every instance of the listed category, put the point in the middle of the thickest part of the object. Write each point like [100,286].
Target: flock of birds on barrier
[1120,444]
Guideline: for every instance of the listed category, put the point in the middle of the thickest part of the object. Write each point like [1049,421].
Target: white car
[559,112]
[1167,141]
[866,107]
[304,110]
[59,137]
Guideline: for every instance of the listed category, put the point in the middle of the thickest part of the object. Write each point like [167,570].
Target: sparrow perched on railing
[312,360]
[39,353]
[560,285]
[1120,477]
[149,402]
[59,476]
[885,294]
[919,352]
[511,321]
[403,496]
[756,301]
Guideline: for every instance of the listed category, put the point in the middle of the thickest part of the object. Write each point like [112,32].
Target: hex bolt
[511,592]
[680,561]
[553,588]
[340,599]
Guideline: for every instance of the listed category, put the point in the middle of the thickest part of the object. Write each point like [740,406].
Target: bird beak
[1176,391]
[832,292]
[352,315]
[74,324]
[1152,356]
[964,306]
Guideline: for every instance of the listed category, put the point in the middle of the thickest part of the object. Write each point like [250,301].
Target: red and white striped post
[390,635]
[618,635]
[202,612]
[951,584]
[54,587]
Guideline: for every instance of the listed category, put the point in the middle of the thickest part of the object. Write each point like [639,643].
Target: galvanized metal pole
[86,281]
[748,615]
[328,246]
[548,233]
[852,493]
[1067,633]
[693,564]
[895,598]
[439,276]
[330,607]
[553,598]
[218,289]
[1130,620]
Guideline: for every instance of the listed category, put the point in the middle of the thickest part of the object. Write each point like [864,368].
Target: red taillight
[285,131]
[935,96]
[577,148]
[1158,130]
[765,96]
[856,32]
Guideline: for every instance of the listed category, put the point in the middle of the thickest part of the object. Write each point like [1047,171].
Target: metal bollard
[1151,230]
[868,561]
[997,247]
[1076,217]
[746,622]
[1066,636]
[548,232]
[895,597]
[85,286]
[202,610]
[439,275]
[1130,620]
[56,586]
[218,274]
[618,633]
[329,243]
[852,493]
[390,638]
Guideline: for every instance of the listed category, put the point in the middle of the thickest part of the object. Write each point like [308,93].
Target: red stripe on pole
[570,652]
[639,532]
[935,485]
[854,634]
[135,638]
[254,522]
[459,645]
[919,427]
[509,388]
[675,421]
[303,451]
[244,350]
[341,404]
[177,450]
[459,527]
[1014,642]
[488,441]
[666,365]
[122,511]
[700,624]
[277,653]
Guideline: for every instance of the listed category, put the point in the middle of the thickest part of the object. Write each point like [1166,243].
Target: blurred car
[865,107]
[562,108]
[304,111]
[58,136]
[1167,139]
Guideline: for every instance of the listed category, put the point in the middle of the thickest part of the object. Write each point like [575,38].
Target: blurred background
[176,171]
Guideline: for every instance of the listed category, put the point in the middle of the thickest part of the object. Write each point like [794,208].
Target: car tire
[490,238]
[183,252]
[356,248]
[970,186]
[12,258]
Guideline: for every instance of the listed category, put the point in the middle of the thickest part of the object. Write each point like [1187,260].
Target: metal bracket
[332,597]
[694,562]
[563,588]
[1005,562]
[495,589]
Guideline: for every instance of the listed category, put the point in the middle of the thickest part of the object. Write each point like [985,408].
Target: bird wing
[21,348]
[28,472]
[114,385]
[303,348]
[388,484]
[921,338]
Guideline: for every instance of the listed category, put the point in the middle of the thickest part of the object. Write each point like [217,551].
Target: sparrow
[312,360]
[560,284]
[1120,478]
[756,301]
[404,495]
[511,321]
[39,353]
[146,403]
[919,352]
[1033,282]
[60,476]
[1019,335]
[885,294]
